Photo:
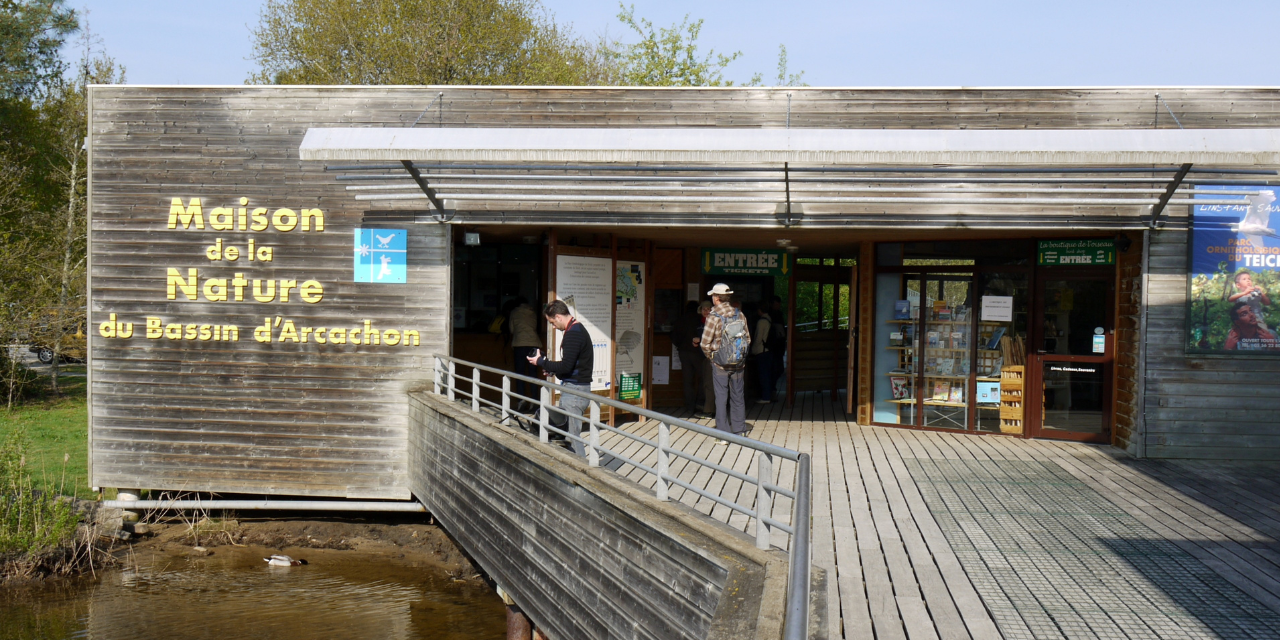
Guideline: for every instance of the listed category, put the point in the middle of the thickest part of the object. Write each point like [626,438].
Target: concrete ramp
[583,552]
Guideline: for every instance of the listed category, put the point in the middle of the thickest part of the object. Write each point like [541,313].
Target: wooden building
[990,261]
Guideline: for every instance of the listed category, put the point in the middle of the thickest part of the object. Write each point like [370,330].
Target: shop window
[938,357]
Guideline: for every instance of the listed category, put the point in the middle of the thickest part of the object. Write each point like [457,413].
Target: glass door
[1074,352]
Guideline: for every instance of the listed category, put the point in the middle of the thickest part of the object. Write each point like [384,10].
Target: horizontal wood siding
[280,418]
[1201,407]
[584,553]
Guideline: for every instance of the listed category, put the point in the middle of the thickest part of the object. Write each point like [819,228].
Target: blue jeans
[575,406]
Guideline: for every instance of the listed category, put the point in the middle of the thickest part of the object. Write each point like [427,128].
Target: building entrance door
[1073,348]
[823,327]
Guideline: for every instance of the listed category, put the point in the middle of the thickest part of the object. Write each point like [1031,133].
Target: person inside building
[1246,333]
[685,335]
[704,367]
[573,369]
[763,358]
[725,342]
[523,334]
[777,340]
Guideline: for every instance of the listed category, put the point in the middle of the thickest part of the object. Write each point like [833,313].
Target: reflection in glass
[897,348]
[945,345]
[993,331]
[1073,397]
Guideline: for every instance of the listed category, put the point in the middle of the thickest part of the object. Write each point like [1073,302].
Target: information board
[585,284]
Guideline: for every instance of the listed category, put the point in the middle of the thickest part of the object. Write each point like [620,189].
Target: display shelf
[946,377]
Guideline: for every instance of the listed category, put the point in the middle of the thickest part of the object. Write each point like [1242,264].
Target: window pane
[896,348]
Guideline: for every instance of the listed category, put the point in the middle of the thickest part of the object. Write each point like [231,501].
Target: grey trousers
[575,406]
[731,405]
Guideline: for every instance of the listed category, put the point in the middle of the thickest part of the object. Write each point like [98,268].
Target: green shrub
[33,523]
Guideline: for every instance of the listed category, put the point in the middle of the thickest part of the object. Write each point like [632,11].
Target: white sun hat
[719,290]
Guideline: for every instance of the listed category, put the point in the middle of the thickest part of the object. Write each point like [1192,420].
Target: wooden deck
[928,535]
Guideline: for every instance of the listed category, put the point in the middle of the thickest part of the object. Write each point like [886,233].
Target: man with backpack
[726,341]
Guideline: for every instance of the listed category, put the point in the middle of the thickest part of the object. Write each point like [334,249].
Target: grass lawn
[56,427]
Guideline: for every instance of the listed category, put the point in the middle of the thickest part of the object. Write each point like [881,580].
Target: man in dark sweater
[577,359]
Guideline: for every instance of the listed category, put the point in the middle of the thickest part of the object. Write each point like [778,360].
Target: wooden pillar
[791,329]
[867,329]
[613,326]
[649,291]
[518,626]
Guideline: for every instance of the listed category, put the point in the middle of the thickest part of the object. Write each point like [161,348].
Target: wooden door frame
[1034,393]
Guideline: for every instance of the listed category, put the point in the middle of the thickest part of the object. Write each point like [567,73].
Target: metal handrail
[796,624]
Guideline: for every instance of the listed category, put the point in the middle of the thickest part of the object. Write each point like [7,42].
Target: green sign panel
[746,262]
[629,386]
[1069,252]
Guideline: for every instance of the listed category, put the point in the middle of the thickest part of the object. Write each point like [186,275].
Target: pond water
[234,594]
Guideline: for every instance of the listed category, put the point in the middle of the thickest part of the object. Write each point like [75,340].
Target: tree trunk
[68,249]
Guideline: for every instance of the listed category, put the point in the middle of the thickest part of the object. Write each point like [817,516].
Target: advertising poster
[1234,275]
[628,330]
[585,285]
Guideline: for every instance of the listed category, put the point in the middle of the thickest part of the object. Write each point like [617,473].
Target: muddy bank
[365,578]
[415,544]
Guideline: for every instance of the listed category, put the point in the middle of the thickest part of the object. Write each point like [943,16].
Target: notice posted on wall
[586,286]
[661,370]
[628,330]
[675,359]
[997,309]
[1233,305]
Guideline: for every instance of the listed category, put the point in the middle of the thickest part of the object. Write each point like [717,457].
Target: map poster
[628,329]
[1233,284]
[586,286]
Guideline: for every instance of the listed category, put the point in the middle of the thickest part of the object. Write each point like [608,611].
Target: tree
[380,42]
[31,32]
[666,56]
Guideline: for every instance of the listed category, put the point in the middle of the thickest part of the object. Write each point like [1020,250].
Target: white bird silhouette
[283,561]
[385,241]
[1256,219]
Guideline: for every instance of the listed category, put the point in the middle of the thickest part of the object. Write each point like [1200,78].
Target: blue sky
[904,43]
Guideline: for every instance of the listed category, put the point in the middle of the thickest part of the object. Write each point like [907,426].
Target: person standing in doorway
[523,324]
[725,342]
[573,369]
[764,359]
[685,335]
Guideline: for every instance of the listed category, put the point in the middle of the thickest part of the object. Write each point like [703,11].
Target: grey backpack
[734,341]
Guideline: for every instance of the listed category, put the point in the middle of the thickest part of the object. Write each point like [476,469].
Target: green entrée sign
[1069,252]
[746,262]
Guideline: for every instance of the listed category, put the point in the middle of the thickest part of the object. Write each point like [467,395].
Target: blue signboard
[1234,274]
[381,255]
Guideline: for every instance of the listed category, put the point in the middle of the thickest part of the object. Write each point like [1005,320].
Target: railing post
[544,415]
[453,381]
[439,371]
[764,501]
[475,389]
[593,454]
[664,460]
[506,397]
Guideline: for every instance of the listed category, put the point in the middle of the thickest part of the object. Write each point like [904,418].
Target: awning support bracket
[1168,193]
[441,214]
[786,172]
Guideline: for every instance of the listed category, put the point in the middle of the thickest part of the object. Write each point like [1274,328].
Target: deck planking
[893,572]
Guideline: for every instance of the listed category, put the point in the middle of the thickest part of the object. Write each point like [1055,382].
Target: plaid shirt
[712,330]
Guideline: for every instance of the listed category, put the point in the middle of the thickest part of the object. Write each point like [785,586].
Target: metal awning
[797,177]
